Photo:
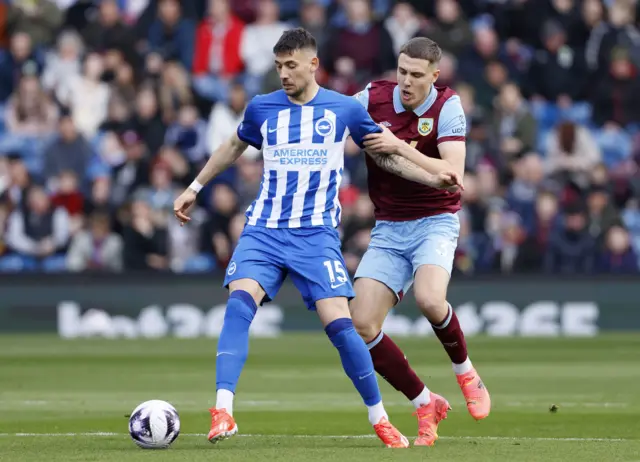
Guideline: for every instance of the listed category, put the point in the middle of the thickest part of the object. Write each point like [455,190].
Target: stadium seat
[615,146]
[580,113]
[202,263]
[54,264]
[16,264]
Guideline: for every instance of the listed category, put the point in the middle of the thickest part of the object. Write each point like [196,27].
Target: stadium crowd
[110,107]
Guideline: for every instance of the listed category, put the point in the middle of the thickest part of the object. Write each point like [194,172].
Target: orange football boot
[429,416]
[475,393]
[222,425]
[390,435]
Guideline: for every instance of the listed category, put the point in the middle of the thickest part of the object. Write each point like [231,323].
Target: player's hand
[382,143]
[182,205]
[449,181]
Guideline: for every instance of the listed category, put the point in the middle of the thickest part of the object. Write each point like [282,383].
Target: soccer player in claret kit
[416,230]
[291,226]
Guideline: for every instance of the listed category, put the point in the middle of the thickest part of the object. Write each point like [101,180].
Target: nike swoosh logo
[273,130]
[365,376]
[335,286]
[223,353]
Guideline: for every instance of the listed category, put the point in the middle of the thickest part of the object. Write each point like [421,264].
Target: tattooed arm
[406,169]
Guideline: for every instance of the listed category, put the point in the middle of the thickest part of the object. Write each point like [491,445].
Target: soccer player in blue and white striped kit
[291,226]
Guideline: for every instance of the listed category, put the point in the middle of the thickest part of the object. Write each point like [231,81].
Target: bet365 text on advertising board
[148,306]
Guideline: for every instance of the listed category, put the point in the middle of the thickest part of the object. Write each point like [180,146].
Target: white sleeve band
[195,186]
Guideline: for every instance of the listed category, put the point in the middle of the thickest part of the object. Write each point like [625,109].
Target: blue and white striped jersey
[303,151]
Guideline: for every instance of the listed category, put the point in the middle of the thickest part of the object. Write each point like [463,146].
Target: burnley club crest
[425,126]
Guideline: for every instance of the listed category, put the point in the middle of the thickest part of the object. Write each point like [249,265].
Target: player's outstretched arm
[220,160]
[386,143]
[406,169]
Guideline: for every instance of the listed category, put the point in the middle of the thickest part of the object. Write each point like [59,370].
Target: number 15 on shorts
[337,274]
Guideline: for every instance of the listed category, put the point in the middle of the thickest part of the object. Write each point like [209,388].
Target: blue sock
[233,345]
[356,359]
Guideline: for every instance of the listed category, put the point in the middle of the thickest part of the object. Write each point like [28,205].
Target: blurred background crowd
[110,107]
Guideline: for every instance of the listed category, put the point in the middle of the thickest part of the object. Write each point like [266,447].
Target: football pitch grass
[68,400]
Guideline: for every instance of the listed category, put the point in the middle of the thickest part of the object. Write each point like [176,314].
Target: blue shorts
[399,248]
[311,256]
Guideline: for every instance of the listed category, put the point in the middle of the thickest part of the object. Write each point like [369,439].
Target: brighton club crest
[425,126]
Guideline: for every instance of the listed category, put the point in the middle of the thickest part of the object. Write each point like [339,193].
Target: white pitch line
[477,438]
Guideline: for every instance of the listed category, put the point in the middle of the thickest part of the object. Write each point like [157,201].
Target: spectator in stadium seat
[107,31]
[362,40]
[357,231]
[124,84]
[248,184]
[477,139]
[118,118]
[182,171]
[344,79]
[216,238]
[147,120]
[145,243]
[486,50]
[546,220]
[245,10]
[69,196]
[236,226]
[571,154]
[617,95]
[174,91]
[618,32]
[528,176]
[571,248]
[30,121]
[20,60]
[313,17]
[514,253]
[514,128]
[97,248]
[339,16]
[217,53]
[592,15]
[448,70]
[99,197]
[449,29]
[617,257]
[160,193]
[63,67]
[257,44]
[38,18]
[133,172]
[225,118]
[568,15]
[558,72]
[189,134]
[90,97]
[16,182]
[402,25]
[39,230]
[602,212]
[528,253]
[171,35]
[70,151]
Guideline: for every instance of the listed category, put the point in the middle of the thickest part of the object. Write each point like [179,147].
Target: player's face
[415,77]
[296,70]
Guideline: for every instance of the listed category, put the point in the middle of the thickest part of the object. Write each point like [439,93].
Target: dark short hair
[422,48]
[295,39]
